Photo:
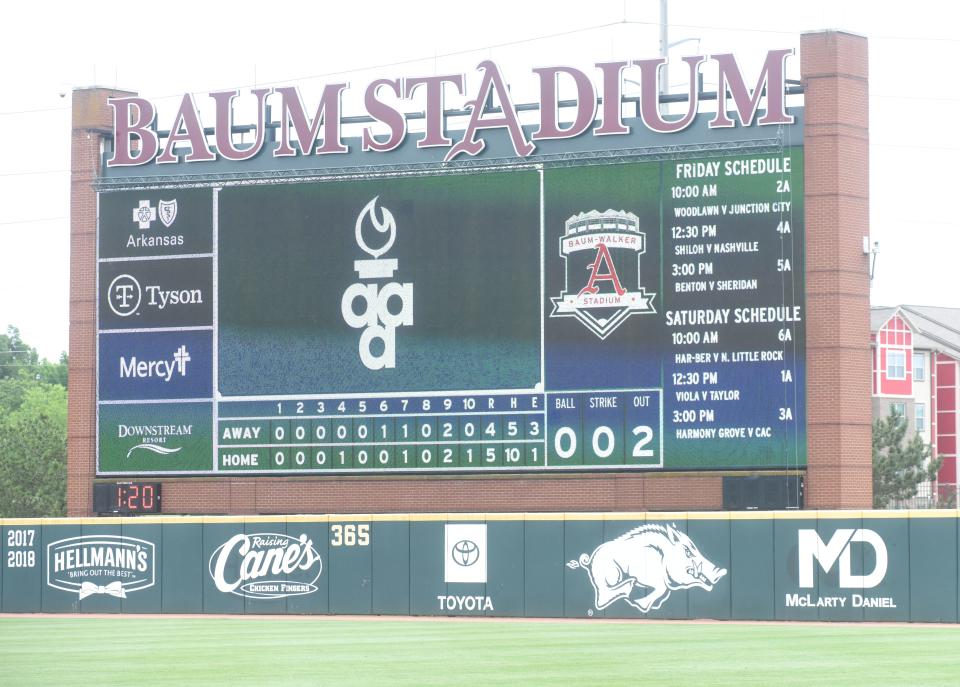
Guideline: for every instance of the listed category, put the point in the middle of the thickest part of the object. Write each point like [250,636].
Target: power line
[912,146]
[522,41]
[894,96]
[46,171]
[389,64]
[35,111]
[32,221]
[923,39]
[914,220]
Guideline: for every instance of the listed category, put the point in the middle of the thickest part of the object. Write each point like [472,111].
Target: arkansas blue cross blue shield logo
[168,211]
[602,254]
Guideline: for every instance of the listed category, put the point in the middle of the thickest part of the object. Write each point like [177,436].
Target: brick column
[833,67]
[92,121]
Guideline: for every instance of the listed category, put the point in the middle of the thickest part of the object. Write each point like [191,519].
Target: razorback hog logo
[652,557]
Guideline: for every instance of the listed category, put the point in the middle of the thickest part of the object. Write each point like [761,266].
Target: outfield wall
[804,565]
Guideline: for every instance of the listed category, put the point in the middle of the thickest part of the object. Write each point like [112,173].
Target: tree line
[33,431]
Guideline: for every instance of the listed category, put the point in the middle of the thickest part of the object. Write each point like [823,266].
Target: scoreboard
[646,315]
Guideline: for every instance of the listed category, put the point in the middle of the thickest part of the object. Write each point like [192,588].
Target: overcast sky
[162,50]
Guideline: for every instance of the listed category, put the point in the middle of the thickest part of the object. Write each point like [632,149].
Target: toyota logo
[465,553]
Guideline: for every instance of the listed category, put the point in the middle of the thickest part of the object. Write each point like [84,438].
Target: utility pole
[664,49]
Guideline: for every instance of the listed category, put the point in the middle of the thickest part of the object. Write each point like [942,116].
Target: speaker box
[763,492]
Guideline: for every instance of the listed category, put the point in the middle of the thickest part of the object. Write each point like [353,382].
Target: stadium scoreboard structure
[644,315]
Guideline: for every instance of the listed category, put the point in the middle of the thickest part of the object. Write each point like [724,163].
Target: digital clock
[126,498]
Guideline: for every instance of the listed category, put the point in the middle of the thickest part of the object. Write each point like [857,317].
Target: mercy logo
[465,553]
[144,215]
[811,548]
[154,365]
[123,295]
[100,564]
[604,248]
[157,369]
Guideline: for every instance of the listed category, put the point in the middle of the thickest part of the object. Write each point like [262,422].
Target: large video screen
[644,315]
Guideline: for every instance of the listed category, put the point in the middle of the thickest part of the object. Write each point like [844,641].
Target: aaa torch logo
[602,254]
[385,306]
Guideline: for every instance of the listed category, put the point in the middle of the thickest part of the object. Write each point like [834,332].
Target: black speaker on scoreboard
[766,492]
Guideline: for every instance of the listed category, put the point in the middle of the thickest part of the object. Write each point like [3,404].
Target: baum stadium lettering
[598,108]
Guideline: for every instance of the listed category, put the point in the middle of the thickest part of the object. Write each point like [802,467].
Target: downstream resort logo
[103,564]
[154,438]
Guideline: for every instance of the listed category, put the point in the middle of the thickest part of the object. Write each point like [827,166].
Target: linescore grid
[468,432]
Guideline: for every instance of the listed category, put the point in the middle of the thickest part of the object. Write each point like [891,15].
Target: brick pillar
[833,67]
[92,121]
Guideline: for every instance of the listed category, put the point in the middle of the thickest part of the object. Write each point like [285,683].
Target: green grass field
[132,651]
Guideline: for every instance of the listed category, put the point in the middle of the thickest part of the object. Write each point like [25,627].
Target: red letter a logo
[603,256]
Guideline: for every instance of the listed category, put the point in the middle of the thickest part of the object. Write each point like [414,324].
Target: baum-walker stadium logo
[602,254]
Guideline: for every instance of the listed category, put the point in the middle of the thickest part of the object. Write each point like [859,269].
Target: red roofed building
[916,351]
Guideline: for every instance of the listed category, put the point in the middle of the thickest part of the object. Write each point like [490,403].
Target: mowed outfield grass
[142,651]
